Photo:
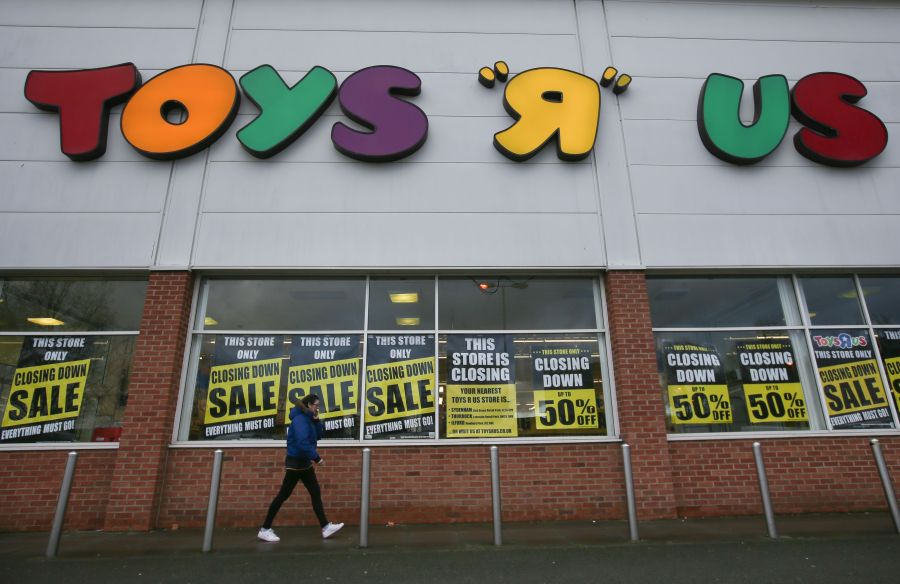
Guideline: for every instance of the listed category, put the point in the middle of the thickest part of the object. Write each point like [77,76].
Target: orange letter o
[207,93]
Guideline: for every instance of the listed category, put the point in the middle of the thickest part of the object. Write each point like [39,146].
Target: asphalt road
[845,560]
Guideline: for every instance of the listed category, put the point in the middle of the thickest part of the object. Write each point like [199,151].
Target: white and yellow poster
[400,386]
[481,390]
[47,389]
[242,396]
[327,366]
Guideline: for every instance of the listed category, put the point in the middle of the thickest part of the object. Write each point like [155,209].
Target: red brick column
[638,396]
[140,467]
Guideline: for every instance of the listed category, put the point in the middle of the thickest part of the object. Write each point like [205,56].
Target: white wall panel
[12,90]
[686,190]
[55,187]
[83,48]
[443,94]
[450,139]
[35,137]
[336,240]
[492,16]
[77,240]
[666,98]
[748,21]
[667,142]
[769,240]
[655,57]
[100,13]
[420,52]
[250,187]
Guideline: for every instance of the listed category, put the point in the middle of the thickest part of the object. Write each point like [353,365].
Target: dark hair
[309,399]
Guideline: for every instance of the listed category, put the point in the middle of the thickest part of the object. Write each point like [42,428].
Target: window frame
[186,394]
[805,328]
[64,445]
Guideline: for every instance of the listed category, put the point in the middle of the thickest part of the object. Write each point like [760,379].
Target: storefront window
[817,372]
[65,354]
[831,300]
[732,356]
[504,385]
[378,369]
[719,302]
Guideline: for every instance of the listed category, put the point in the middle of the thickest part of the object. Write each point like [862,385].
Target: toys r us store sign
[185,109]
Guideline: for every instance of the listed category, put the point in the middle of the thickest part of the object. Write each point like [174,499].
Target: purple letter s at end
[367,97]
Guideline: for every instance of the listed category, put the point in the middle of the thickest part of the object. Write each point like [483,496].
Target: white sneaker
[267,535]
[331,529]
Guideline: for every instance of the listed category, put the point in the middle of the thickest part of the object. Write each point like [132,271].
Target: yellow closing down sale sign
[46,393]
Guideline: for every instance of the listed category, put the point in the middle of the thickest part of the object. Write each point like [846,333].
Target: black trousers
[291,476]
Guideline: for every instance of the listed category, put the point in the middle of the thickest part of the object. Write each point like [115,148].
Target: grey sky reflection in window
[882,298]
[296,304]
[516,303]
[715,302]
[831,300]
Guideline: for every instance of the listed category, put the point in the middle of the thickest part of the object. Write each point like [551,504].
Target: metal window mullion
[609,381]
[71,334]
[886,381]
[365,364]
[437,359]
[804,318]
[187,364]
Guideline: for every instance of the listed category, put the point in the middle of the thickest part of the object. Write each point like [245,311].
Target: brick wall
[152,393]
[641,412]
[408,485]
[145,484]
[806,475]
[29,489]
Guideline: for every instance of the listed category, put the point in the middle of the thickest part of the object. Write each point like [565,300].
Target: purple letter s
[367,97]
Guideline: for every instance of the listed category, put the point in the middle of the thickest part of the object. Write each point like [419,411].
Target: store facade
[459,231]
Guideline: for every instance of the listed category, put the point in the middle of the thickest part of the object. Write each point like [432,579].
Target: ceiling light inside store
[210,321]
[404,297]
[408,320]
[45,321]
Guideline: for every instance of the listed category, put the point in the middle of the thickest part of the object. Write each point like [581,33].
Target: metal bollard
[364,499]
[764,490]
[495,495]
[629,493]
[61,504]
[886,483]
[213,501]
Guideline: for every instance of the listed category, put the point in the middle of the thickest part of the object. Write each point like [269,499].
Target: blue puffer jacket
[302,436]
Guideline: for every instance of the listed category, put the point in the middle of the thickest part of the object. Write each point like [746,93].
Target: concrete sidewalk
[825,548]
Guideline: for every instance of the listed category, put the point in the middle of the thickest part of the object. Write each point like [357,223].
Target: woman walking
[303,435]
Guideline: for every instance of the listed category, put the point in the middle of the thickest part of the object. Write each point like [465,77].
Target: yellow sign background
[257,382]
[868,364]
[482,418]
[325,410]
[42,371]
[712,392]
[762,389]
[413,379]
[554,395]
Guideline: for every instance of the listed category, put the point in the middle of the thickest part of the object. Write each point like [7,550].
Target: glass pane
[505,386]
[492,303]
[716,302]
[399,387]
[297,304]
[854,392]
[401,303]
[67,304]
[831,300]
[889,345]
[63,388]
[736,381]
[328,366]
[247,385]
[882,298]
